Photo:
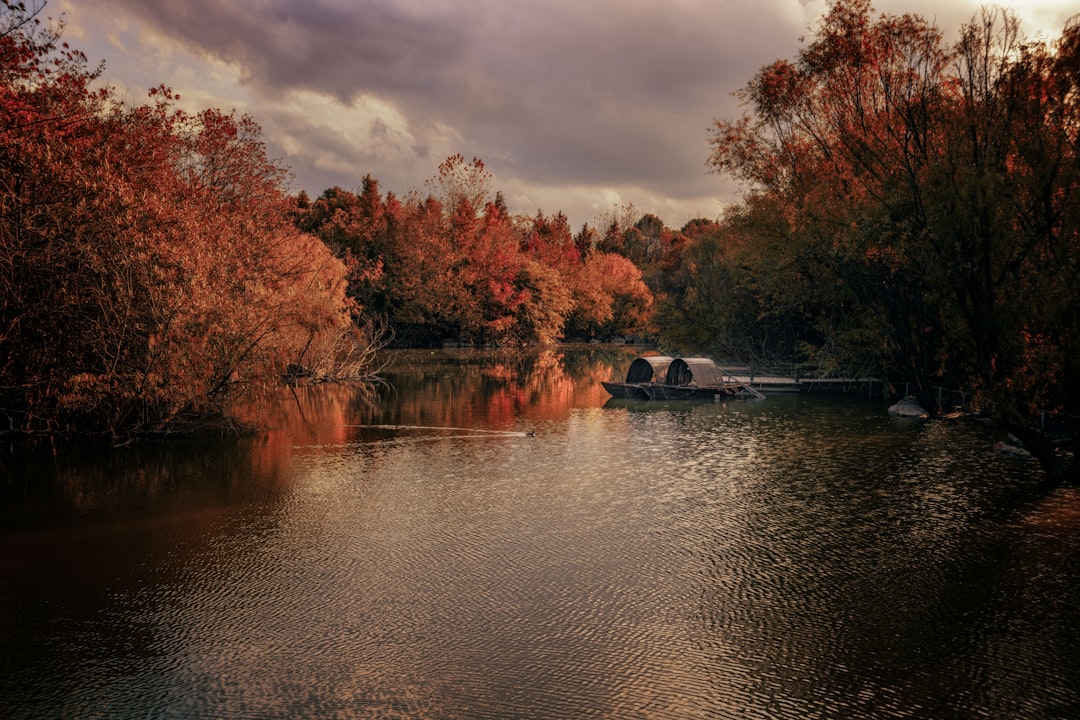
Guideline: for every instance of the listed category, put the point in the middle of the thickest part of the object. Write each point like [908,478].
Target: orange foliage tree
[149,264]
[609,296]
[456,266]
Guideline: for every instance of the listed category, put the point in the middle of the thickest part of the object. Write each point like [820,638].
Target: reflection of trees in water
[309,414]
[493,388]
[91,478]
[88,479]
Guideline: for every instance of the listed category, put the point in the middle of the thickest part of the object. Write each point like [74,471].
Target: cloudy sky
[574,105]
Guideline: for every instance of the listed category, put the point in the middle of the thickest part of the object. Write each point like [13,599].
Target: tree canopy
[149,264]
[477,275]
[913,204]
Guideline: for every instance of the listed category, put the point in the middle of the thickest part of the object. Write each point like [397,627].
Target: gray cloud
[594,93]
[558,91]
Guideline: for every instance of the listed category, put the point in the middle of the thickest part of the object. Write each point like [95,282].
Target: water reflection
[789,558]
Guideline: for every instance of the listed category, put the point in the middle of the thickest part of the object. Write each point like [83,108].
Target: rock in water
[909,407]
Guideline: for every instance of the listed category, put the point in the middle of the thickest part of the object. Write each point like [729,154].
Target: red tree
[148,260]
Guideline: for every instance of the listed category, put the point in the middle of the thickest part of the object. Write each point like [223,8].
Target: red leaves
[440,271]
[150,259]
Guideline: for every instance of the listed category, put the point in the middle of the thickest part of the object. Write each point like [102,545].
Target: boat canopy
[648,369]
[694,371]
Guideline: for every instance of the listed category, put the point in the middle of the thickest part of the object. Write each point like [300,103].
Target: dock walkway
[781,384]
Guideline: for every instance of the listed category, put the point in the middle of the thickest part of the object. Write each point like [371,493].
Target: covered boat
[695,378]
[666,378]
[643,373]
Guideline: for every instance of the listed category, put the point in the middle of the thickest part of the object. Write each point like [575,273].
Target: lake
[489,536]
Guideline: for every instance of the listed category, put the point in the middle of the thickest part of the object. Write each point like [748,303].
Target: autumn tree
[422,289]
[585,240]
[149,263]
[654,235]
[609,298]
[547,302]
[927,191]
[355,227]
[550,241]
[461,181]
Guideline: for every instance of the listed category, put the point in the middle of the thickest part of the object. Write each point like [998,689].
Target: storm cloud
[572,105]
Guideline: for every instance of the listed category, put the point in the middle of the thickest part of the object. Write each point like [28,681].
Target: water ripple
[729,561]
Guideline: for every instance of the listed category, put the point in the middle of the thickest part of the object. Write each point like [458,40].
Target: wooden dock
[781,384]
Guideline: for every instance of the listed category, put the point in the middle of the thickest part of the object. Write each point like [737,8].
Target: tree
[546,303]
[550,241]
[423,293]
[586,240]
[355,228]
[609,297]
[928,187]
[653,233]
[460,181]
[148,263]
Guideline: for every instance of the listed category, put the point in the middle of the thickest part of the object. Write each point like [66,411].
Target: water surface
[490,537]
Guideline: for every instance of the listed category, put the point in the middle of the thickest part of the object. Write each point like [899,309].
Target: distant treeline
[456,265]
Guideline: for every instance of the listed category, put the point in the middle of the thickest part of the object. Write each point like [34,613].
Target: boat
[643,373]
[666,378]
[695,378]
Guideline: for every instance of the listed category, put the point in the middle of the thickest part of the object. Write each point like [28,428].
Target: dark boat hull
[688,392]
[630,391]
[656,391]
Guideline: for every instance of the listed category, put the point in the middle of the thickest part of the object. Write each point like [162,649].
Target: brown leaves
[148,260]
